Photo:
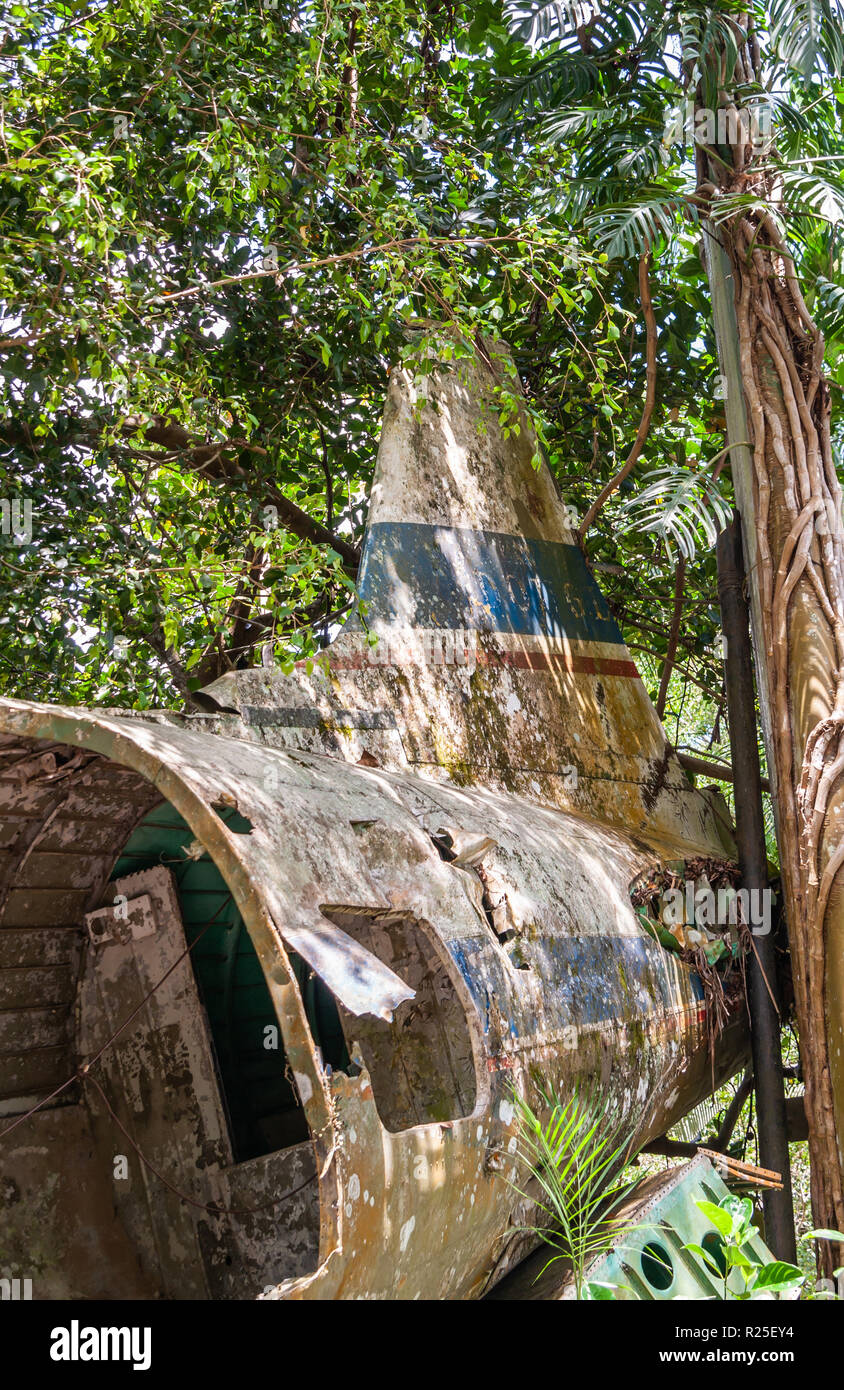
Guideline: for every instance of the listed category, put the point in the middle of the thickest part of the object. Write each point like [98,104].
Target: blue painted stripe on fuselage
[452,577]
[592,979]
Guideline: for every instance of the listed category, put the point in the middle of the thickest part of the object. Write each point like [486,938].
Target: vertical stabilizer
[497,659]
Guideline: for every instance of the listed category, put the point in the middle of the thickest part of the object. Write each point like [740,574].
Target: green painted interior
[262,1105]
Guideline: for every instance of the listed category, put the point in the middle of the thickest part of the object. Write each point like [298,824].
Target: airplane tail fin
[497,660]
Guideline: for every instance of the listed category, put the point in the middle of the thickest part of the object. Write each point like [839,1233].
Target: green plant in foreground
[571,1157]
[572,1152]
[732,1218]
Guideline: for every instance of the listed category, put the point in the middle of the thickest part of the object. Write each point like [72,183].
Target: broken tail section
[486,651]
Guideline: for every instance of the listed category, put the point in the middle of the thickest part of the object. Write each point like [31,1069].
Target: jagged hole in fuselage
[262,1107]
[420,1064]
[194,1060]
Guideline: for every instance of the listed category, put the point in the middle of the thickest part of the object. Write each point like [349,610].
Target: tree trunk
[790,499]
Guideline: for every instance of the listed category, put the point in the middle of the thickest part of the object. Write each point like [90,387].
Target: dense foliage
[218,227]
[223,223]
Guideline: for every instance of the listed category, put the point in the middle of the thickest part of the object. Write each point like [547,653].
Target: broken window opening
[421,1065]
[261,1103]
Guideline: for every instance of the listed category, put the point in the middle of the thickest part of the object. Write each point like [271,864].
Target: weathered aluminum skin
[426,1212]
[490,815]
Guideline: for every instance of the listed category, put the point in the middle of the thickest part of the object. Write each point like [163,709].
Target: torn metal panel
[358,978]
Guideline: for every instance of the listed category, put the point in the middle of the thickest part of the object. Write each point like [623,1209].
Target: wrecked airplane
[270,971]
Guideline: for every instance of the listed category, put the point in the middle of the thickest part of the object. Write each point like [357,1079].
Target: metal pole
[765,1023]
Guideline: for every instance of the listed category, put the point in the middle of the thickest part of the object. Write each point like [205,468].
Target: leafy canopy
[221,224]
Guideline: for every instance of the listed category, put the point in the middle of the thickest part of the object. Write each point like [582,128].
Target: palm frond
[555,80]
[684,507]
[829,306]
[544,22]
[578,121]
[548,21]
[791,119]
[619,149]
[576,198]
[641,163]
[630,229]
[814,191]
[572,1156]
[808,35]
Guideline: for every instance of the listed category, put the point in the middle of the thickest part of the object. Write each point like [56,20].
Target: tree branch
[673,636]
[721,772]
[209,458]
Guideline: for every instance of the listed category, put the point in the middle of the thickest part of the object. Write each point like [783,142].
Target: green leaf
[595,1289]
[722,1220]
[778,1277]
[708,1259]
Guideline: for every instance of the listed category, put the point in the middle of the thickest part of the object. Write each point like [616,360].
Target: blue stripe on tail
[450,577]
